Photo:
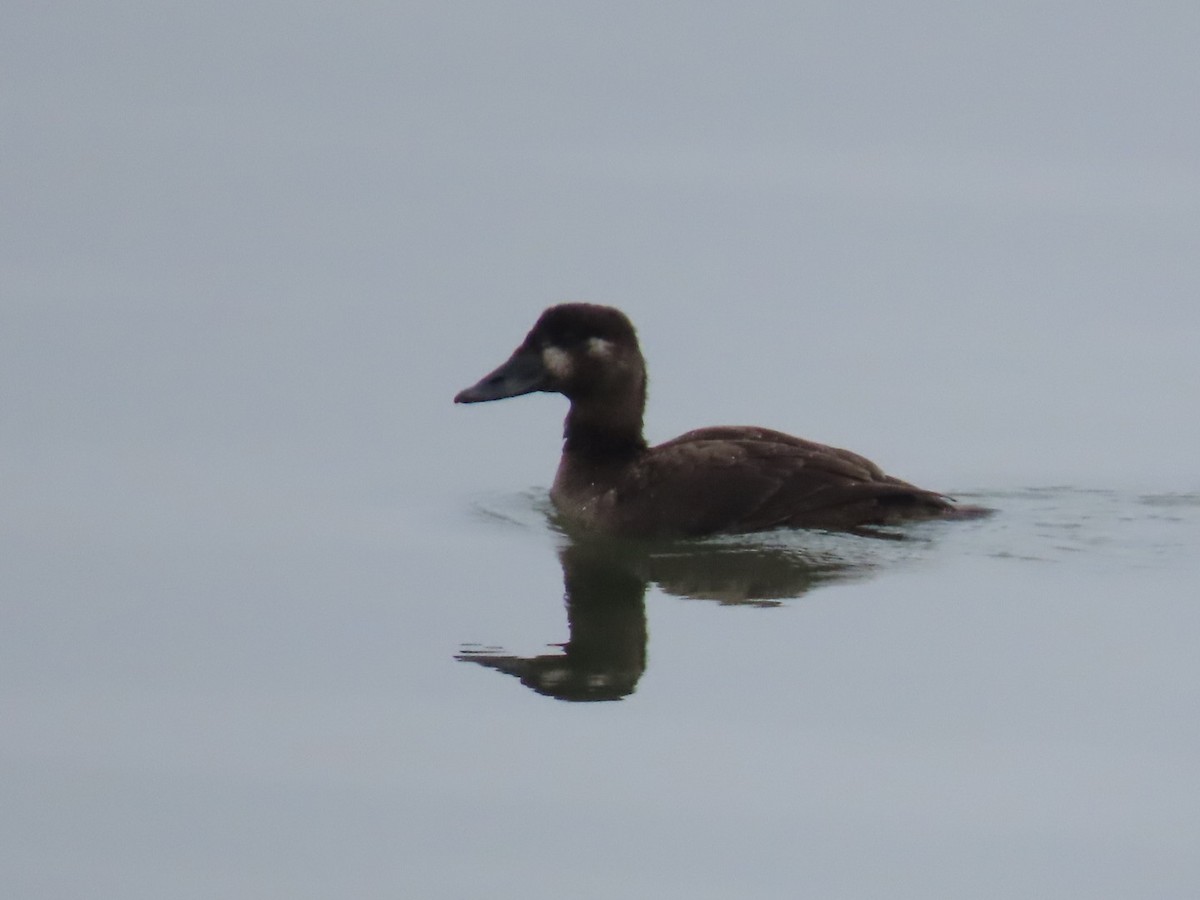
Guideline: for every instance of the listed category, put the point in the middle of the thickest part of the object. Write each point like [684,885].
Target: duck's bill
[523,373]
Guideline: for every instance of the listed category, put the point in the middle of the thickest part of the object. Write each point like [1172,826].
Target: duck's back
[735,479]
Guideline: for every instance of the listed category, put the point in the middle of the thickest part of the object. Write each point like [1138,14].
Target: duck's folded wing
[738,479]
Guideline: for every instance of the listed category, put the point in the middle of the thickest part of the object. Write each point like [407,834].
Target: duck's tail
[961,511]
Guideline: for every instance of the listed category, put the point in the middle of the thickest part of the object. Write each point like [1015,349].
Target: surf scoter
[720,480]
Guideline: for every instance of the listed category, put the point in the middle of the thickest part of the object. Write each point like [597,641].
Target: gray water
[364,705]
[277,619]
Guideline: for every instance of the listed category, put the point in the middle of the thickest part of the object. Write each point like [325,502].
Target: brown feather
[712,480]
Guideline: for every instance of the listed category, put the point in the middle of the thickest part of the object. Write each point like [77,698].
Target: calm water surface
[479,703]
[278,620]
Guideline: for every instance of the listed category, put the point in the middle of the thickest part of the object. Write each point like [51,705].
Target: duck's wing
[731,479]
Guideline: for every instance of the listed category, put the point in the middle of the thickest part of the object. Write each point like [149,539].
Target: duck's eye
[570,339]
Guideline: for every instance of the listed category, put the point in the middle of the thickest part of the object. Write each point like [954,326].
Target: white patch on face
[557,362]
[599,348]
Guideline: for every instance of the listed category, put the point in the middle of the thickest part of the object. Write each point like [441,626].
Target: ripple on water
[605,581]
[1045,524]
[1106,526]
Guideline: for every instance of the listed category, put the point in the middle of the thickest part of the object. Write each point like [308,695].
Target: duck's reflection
[605,585]
[605,654]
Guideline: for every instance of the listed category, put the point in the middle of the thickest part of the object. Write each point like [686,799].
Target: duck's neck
[604,431]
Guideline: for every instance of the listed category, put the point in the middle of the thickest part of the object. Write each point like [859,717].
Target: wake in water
[1063,523]
[1038,524]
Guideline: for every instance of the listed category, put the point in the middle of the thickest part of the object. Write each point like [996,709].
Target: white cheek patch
[557,362]
[599,348]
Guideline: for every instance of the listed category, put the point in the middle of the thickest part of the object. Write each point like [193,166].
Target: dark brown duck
[718,480]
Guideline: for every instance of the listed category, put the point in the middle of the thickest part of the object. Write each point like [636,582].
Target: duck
[725,479]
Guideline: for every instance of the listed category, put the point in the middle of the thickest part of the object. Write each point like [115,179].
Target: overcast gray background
[251,250]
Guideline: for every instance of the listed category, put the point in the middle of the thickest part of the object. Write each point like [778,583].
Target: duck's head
[583,351]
